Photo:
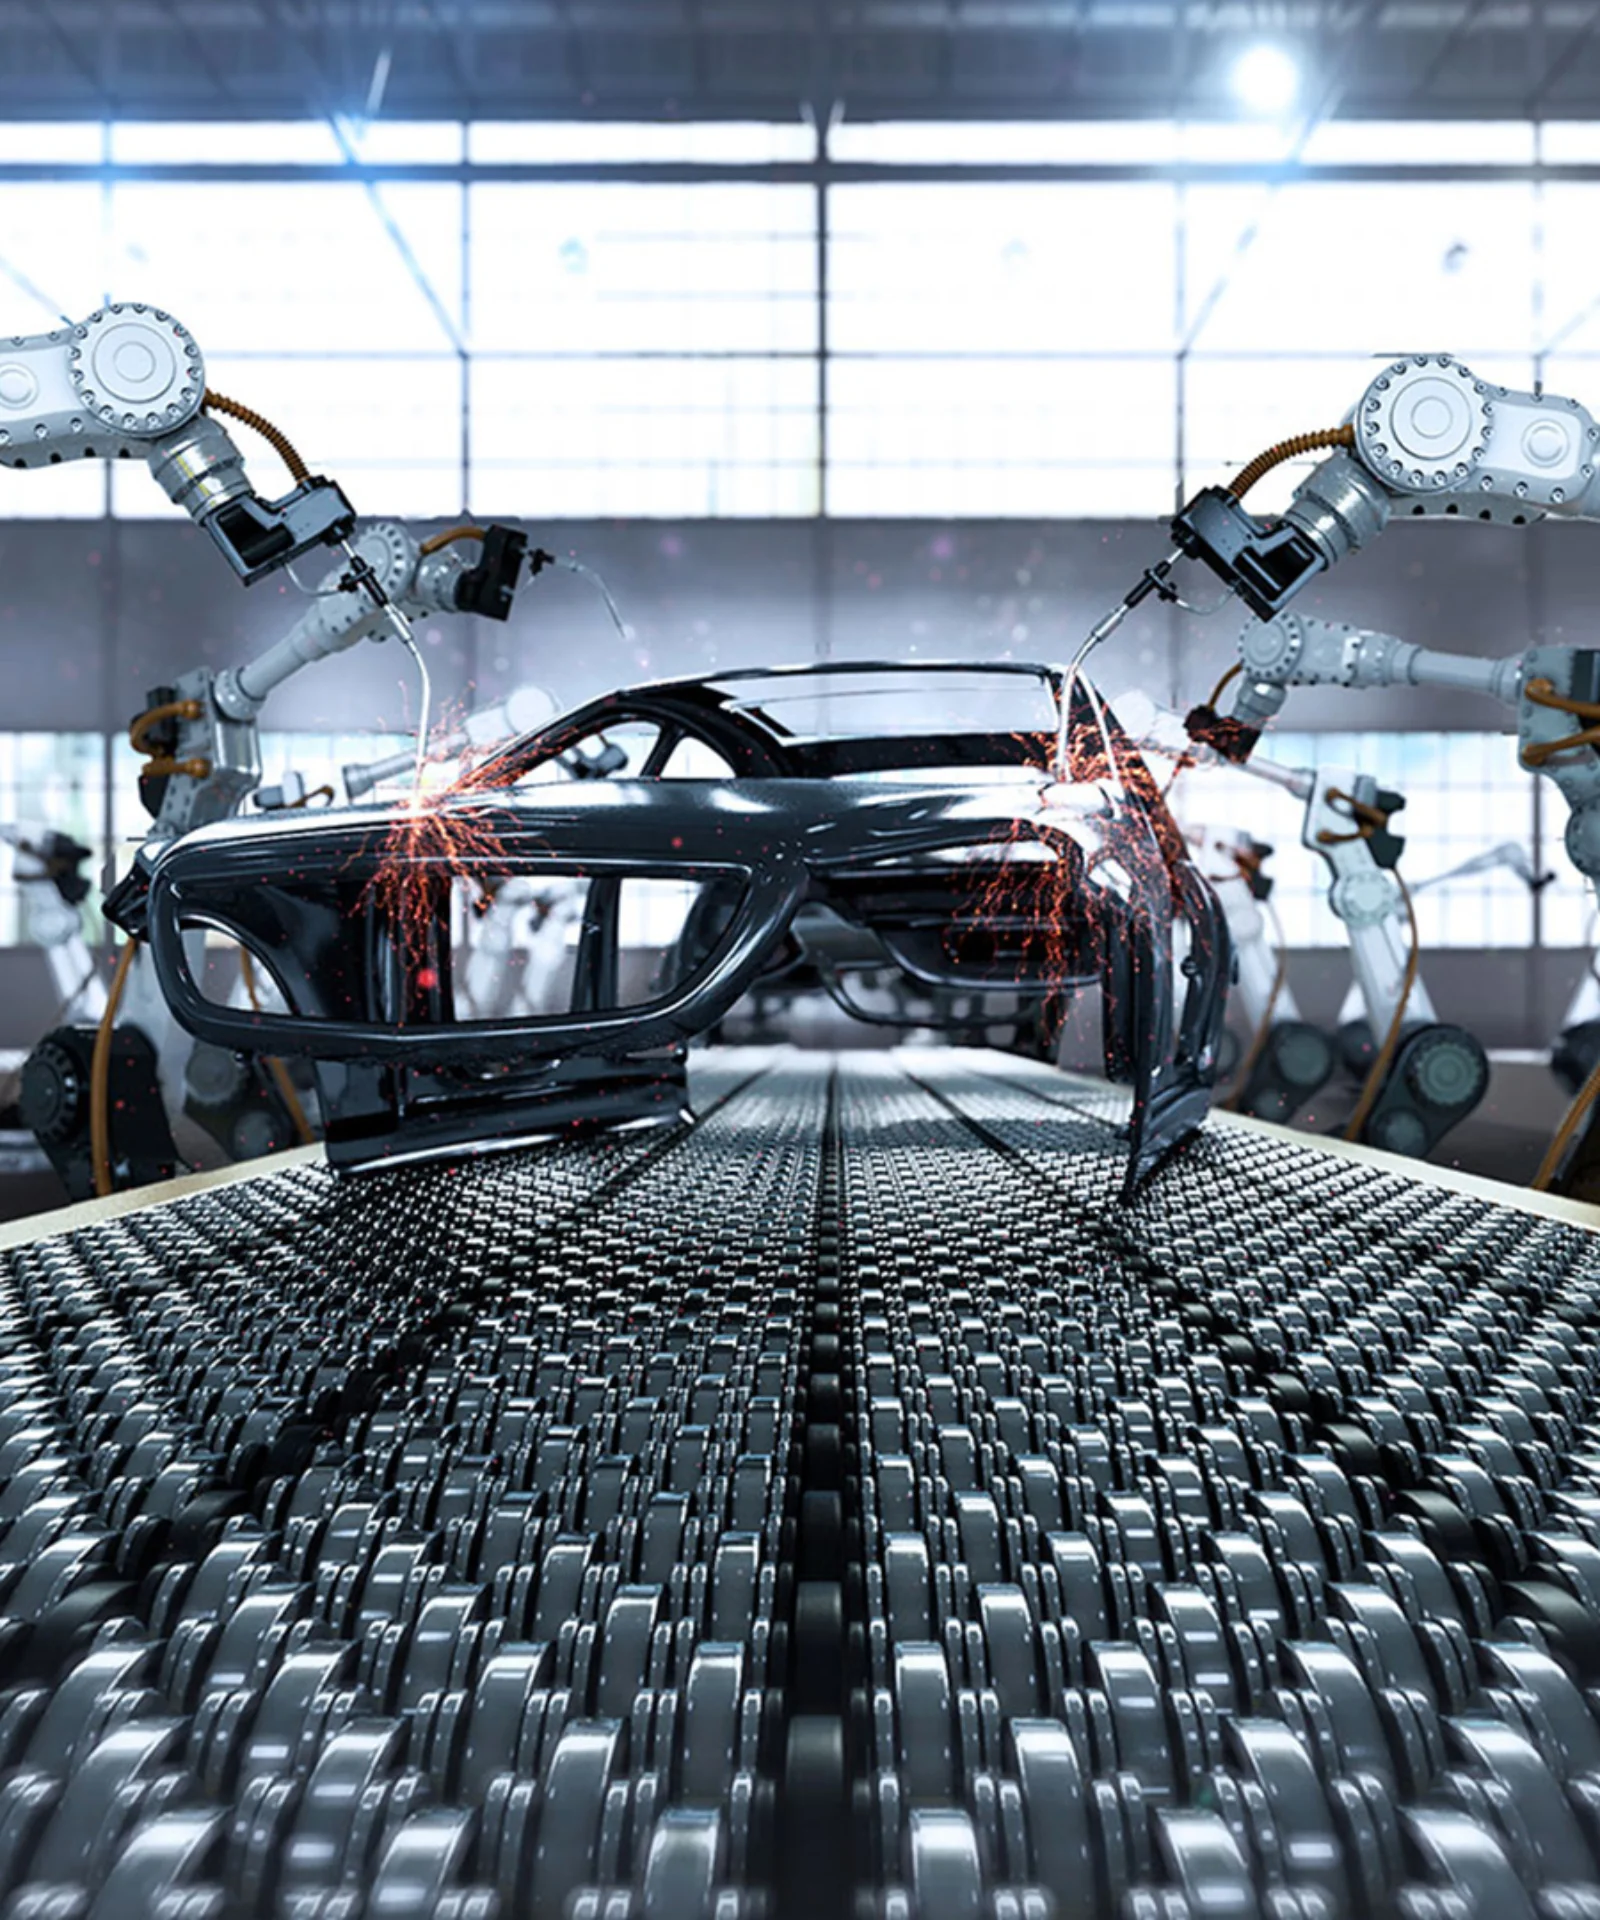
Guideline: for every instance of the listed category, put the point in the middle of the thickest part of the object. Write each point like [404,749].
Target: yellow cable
[1224,683]
[1262,465]
[1542,693]
[279,1072]
[1574,1118]
[100,1076]
[157,764]
[435,541]
[172,709]
[282,444]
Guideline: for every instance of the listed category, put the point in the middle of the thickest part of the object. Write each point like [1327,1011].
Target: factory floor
[1504,1138]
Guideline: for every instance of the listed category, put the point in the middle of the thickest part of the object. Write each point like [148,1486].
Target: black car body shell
[797,820]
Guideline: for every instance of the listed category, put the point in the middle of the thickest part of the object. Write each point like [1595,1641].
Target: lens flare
[1097,861]
[430,843]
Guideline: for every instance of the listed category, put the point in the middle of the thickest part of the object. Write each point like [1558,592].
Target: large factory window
[1463,257]
[969,437]
[579,320]
[47,269]
[976,368]
[309,309]
[644,350]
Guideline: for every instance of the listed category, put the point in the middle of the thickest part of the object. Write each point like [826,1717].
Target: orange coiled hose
[158,764]
[434,541]
[1542,693]
[172,710]
[1223,684]
[1298,443]
[220,403]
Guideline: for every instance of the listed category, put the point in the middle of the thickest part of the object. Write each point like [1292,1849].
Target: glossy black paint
[372,1001]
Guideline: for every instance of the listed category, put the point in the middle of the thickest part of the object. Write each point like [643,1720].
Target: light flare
[428,846]
[1041,897]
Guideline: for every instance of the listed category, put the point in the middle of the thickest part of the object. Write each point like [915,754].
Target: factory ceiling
[773,59]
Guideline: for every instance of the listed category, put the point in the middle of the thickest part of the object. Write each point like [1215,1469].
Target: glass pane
[666,437]
[398,454]
[1234,408]
[1566,141]
[597,269]
[394,142]
[1001,268]
[1570,273]
[1092,438]
[42,142]
[1374,269]
[52,262]
[1022,142]
[1241,142]
[507,142]
[303,268]
[216,142]
[1422,142]
[75,492]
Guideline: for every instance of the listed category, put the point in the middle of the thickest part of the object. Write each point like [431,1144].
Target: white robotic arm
[1342,808]
[1426,439]
[1555,692]
[1510,854]
[44,865]
[519,712]
[1288,1060]
[1341,826]
[1363,893]
[1295,650]
[1227,858]
[130,382]
[208,753]
[1423,1075]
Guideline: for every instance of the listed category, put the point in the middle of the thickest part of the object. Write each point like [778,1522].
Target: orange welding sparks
[1037,901]
[428,845]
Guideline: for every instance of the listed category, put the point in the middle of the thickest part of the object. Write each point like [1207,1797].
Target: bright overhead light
[1266,79]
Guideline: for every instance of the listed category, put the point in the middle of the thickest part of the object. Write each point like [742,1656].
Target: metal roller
[845,1505]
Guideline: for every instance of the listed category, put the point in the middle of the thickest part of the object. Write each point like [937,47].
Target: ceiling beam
[692,58]
[46,14]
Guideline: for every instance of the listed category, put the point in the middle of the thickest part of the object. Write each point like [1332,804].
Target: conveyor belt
[840,1507]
